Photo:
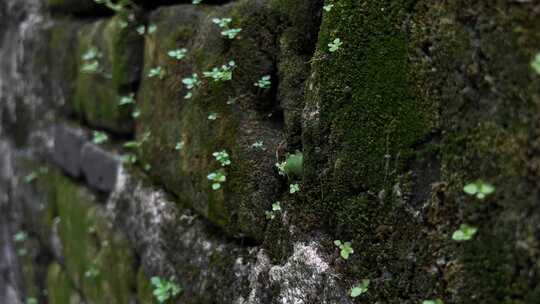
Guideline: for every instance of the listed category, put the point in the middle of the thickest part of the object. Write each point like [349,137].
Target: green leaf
[464,233]
[360,288]
[470,189]
[535,64]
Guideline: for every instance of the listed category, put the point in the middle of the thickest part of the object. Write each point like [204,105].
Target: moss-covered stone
[419,100]
[119,61]
[252,183]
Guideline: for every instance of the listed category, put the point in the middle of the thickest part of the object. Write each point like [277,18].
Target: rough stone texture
[419,100]
[252,182]
[100,167]
[68,146]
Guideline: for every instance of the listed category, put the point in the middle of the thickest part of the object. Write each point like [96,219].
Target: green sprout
[222,157]
[141,29]
[335,45]
[31,300]
[136,113]
[20,236]
[292,166]
[464,233]
[92,272]
[293,188]
[179,145]
[231,33]
[345,248]
[258,145]
[535,64]
[222,22]
[190,83]
[35,174]
[129,158]
[132,144]
[479,189]
[217,177]
[177,54]
[99,137]
[127,99]
[165,289]
[196,2]
[360,288]
[223,73]
[436,301]
[157,72]
[276,207]
[212,116]
[264,82]
[328,7]
[91,61]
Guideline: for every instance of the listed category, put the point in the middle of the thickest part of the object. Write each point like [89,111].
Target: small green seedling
[147,167]
[146,30]
[223,73]
[20,236]
[196,2]
[231,33]
[222,157]
[177,54]
[328,7]
[535,64]
[129,158]
[92,272]
[436,301]
[31,300]
[222,22]
[99,137]
[35,174]
[360,288]
[190,83]
[179,145]
[217,178]
[91,61]
[293,188]
[345,248]
[479,189]
[156,72]
[165,289]
[212,116]
[132,144]
[276,207]
[292,166]
[127,99]
[335,45]
[136,113]
[264,82]
[464,233]
[258,145]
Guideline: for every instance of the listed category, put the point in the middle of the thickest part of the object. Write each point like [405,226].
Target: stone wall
[119,166]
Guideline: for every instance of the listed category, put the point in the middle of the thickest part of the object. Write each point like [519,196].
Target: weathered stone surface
[100,167]
[68,146]
[118,62]
[252,182]
[167,237]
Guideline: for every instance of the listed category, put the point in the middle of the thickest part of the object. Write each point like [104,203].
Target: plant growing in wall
[535,64]
[91,62]
[223,73]
[292,166]
[177,54]
[217,178]
[99,137]
[479,189]
[150,29]
[436,301]
[165,289]
[360,288]
[127,99]
[345,248]
[191,83]
[334,45]
[276,207]
[464,233]
[222,157]
[264,82]
[158,72]
[228,32]
[32,176]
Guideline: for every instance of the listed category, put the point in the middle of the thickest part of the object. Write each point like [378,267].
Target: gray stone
[100,167]
[68,145]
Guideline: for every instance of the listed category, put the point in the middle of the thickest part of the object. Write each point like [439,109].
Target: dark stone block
[100,167]
[68,145]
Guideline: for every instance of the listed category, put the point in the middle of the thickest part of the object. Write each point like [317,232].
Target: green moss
[97,95]
[59,287]
[251,181]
